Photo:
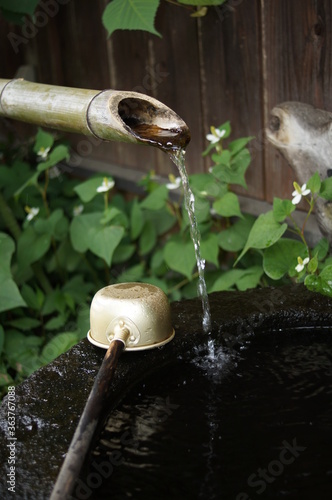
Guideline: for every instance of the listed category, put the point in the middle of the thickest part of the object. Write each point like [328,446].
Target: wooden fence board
[176,59]
[234,64]
[231,67]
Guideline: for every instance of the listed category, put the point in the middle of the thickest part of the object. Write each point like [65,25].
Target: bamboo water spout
[110,115]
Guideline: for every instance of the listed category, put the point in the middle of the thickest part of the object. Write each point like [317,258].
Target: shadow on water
[253,421]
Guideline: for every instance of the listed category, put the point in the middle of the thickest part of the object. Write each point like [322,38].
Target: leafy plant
[140,14]
[15,10]
[64,238]
[268,241]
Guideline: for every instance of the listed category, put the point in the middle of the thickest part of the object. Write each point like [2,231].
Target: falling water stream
[172,141]
[178,157]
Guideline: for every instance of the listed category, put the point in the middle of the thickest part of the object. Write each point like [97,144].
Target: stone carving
[303,135]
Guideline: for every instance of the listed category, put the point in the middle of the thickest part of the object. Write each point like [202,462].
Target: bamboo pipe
[110,115]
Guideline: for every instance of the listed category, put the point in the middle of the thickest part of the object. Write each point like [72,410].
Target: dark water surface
[254,423]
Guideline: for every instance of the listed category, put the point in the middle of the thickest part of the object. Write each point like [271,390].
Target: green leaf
[24,324]
[314,183]
[234,238]
[83,321]
[240,162]
[237,145]
[312,265]
[210,248]
[2,338]
[148,238]
[157,264]
[281,258]
[131,15]
[10,296]
[11,178]
[22,351]
[87,233]
[226,280]
[31,181]
[180,256]
[223,158]
[321,249]
[19,6]
[33,298]
[65,257]
[239,278]
[123,252]
[7,248]
[16,342]
[228,205]
[31,246]
[87,190]
[235,173]
[282,209]
[265,232]
[250,278]
[54,302]
[155,200]
[205,185]
[322,283]
[118,217]
[55,225]
[162,219]
[136,220]
[77,289]
[104,240]
[80,230]
[57,322]
[59,153]
[58,345]
[326,189]
[134,273]
[43,140]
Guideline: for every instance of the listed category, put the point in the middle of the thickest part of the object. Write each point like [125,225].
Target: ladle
[131,316]
[109,115]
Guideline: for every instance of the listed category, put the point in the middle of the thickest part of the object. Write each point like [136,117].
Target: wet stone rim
[50,402]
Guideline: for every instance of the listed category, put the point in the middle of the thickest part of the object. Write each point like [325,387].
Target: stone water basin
[253,423]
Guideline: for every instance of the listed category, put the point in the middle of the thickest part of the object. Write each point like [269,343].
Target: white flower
[216,135]
[43,153]
[174,183]
[299,192]
[78,210]
[32,212]
[301,264]
[106,185]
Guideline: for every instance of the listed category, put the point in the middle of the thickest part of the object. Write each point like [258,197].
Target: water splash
[178,157]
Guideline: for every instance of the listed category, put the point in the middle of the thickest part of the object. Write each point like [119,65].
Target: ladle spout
[110,115]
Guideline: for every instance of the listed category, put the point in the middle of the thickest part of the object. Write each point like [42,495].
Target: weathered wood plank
[231,77]
[176,66]
[12,53]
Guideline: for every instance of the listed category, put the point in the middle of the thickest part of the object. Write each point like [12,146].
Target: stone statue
[303,135]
